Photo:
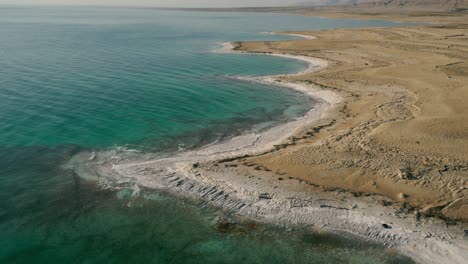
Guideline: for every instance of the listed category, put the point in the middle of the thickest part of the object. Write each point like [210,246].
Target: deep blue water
[95,78]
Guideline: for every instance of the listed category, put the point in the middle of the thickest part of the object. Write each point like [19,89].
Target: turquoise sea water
[74,79]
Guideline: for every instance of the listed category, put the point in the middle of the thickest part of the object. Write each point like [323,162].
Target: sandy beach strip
[306,37]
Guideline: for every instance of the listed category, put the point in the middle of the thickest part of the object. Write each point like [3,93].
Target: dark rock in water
[234,227]
[465,232]
[386,226]
[226,227]
[196,165]
[264,196]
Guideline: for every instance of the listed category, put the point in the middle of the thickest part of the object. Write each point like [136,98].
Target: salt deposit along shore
[245,175]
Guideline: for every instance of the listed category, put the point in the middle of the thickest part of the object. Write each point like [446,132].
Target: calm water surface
[74,79]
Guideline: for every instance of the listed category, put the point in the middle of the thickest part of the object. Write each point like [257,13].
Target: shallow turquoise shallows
[81,78]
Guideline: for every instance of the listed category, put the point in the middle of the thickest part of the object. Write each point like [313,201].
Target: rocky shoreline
[213,174]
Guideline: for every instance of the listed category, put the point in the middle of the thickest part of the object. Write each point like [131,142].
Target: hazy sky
[168,3]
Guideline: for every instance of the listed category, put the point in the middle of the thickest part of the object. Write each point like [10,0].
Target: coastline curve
[197,174]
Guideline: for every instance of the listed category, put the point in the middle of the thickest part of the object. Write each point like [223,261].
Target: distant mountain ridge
[333,2]
[391,3]
[423,3]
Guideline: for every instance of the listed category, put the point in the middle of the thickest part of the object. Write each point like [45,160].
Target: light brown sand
[403,131]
